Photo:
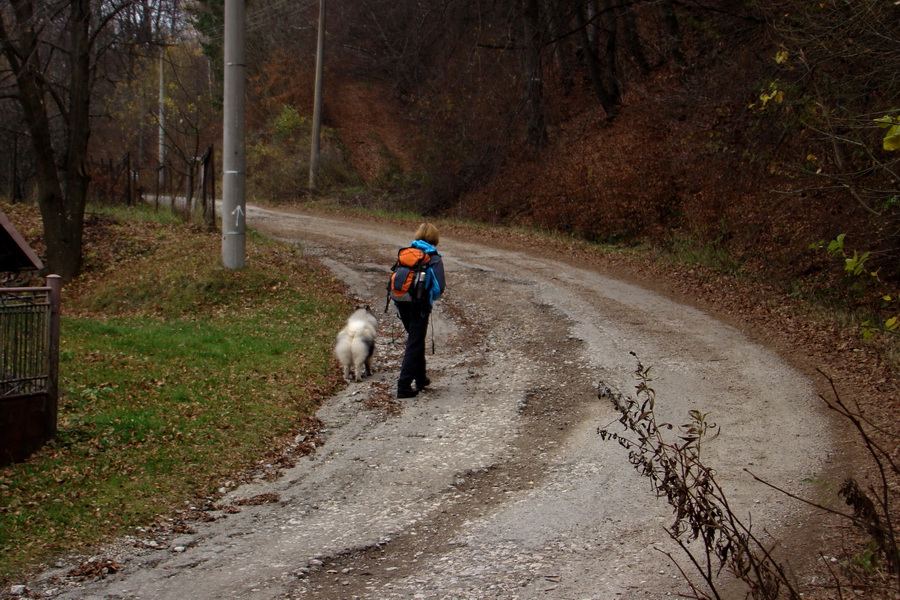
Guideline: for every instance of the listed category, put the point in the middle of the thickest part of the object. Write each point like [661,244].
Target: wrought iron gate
[29,356]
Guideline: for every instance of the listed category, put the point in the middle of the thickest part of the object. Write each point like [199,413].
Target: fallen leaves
[259,499]
[95,568]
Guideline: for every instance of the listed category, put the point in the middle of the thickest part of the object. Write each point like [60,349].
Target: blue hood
[432,286]
[423,246]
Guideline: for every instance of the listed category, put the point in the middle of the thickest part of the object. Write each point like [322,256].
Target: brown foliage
[281,82]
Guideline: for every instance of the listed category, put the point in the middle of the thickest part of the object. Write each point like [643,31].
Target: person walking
[415,313]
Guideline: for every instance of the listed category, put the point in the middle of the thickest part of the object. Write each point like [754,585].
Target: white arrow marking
[238,213]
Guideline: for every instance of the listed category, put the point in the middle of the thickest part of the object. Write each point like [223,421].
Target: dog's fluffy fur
[356,343]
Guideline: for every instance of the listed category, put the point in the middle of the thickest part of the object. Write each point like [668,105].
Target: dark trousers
[414,316]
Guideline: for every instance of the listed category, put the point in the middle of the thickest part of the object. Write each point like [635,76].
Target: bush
[278,160]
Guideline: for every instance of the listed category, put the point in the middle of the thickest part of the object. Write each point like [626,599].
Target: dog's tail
[360,338]
[361,347]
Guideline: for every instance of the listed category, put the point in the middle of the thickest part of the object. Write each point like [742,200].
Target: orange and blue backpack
[409,276]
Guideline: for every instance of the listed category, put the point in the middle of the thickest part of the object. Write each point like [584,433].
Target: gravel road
[493,484]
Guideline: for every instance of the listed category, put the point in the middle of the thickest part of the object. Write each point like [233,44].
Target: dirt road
[494,484]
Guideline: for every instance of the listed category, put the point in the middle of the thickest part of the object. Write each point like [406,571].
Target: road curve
[495,483]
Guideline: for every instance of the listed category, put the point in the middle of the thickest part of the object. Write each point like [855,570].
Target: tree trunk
[559,45]
[611,70]
[632,40]
[63,228]
[534,85]
[62,180]
[590,62]
[75,176]
[670,24]
[593,25]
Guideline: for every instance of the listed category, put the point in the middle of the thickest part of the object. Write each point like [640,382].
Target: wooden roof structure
[15,253]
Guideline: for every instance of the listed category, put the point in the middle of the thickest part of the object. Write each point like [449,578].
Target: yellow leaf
[892,139]
[885,121]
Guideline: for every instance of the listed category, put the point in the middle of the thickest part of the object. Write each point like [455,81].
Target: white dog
[356,343]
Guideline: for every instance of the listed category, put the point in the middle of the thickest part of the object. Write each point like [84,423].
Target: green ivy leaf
[836,246]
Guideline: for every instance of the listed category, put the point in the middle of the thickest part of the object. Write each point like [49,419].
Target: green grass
[692,251]
[175,374]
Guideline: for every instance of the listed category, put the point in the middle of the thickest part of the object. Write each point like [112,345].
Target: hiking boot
[423,383]
[407,392]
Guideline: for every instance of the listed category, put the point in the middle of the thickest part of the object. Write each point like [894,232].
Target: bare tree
[534,78]
[189,101]
[54,51]
[591,62]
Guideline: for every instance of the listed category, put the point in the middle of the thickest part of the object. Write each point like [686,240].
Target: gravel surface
[494,483]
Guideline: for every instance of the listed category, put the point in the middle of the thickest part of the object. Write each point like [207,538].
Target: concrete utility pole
[234,177]
[317,105]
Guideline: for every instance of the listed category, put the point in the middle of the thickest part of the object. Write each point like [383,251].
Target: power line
[270,14]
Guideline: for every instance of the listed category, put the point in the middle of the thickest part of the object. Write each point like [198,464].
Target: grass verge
[175,374]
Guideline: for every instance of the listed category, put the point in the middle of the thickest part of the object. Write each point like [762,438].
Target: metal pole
[317,105]
[54,282]
[234,177]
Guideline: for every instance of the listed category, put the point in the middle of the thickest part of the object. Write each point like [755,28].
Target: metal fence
[24,341]
[29,357]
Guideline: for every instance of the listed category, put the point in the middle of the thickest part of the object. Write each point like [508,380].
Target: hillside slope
[664,165]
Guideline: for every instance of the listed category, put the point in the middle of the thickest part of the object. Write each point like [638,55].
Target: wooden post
[129,192]
[212,186]
[202,172]
[209,189]
[317,101]
[15,190]
[189,191]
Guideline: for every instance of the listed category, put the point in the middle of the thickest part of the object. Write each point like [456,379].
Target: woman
[415,315]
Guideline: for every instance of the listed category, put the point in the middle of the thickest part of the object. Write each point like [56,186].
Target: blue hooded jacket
[435,282]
